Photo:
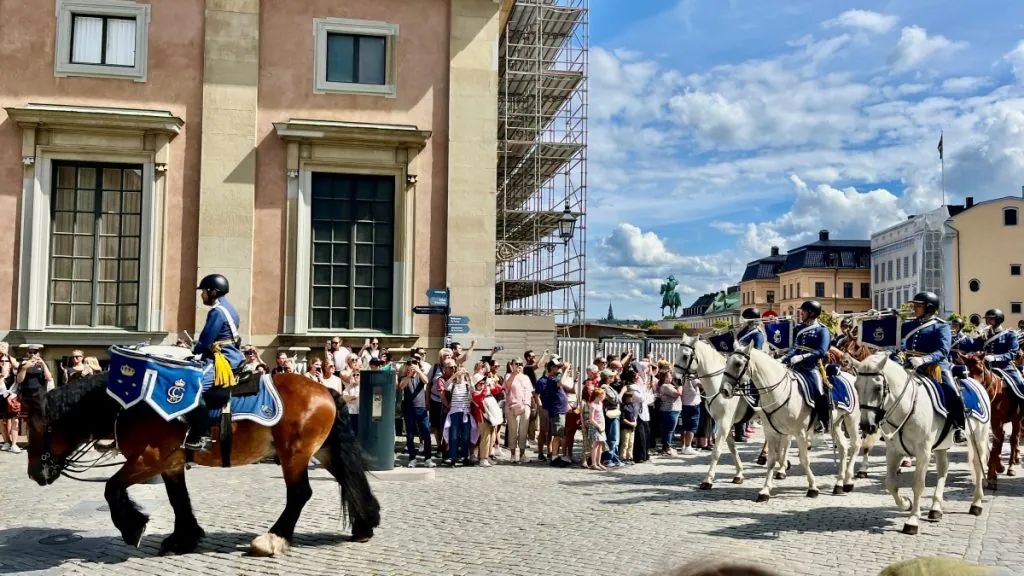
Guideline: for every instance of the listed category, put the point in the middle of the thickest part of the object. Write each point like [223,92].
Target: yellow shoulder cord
[223,375]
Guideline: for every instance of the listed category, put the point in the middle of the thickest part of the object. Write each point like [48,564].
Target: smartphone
[499,348]
[486,359]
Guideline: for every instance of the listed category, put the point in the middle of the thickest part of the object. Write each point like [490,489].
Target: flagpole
[942,163]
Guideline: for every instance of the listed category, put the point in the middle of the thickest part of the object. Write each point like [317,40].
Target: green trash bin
[377,418]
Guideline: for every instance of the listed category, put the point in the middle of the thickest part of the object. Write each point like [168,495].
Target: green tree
[968,326]
[681,326]
[648,324]
[830,321]
[720,324]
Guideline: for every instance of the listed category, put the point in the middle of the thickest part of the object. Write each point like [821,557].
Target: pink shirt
[518,391]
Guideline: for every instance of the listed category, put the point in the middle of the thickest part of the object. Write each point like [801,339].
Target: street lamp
[566,224]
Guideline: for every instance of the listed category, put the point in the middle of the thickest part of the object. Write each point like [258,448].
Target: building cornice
[352,133]
[95,119]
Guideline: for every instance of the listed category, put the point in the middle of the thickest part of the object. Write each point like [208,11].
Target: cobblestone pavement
[509,519]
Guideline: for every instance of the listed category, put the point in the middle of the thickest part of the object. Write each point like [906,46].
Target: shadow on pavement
[39,549]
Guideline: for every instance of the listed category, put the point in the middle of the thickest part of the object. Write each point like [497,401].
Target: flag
[940,146]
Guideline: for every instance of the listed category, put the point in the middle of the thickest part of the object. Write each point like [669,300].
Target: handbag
[13,407]
[613,414]
[492,412]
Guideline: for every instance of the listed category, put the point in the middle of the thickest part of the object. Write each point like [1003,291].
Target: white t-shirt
[340,357]
[353,403]
[334,383]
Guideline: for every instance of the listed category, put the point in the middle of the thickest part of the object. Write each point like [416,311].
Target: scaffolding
[542,159]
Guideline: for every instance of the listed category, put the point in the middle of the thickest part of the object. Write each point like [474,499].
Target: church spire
[611,315]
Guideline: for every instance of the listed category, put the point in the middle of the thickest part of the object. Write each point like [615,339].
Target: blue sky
[719,128]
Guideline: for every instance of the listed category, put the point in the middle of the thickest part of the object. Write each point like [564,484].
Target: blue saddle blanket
[264,408]
[843,396]
[171,387]
[974,396]
[1012,379]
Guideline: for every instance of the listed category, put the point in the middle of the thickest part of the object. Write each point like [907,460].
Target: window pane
[364,232]
[121,42]
[81,292]
[364,254]
[1010,217]
[82,269]
[321,297]
[82,315]
[341,253]
[130,270]
[66,177]
[321,275]
[321,231]
[364,276]
[321,253]
[339,319]
[339,298]
[382,320]
[85,223]
[108,293]
[131,203]
[364,298]
[111,202]
[63,245]
[88,39]
[341,58]
[372,61]
[86,200]
[60,292]
[382,298]
[341,276]
[382,276]
[107,315]
[129,293]
[321,318]
[60,314]
[127,316]
[363,319]
[108,247]
[87,178]
[110,225]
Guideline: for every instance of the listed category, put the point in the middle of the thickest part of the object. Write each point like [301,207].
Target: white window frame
[324,26]
[63,66]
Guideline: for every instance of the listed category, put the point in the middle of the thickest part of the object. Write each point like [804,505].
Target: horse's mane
[976,369]
[708,352]
[81,405]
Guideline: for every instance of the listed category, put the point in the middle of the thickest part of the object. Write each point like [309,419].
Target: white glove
[917,361]
[797,359]
[990,358]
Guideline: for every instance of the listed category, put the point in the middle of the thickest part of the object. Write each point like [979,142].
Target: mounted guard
[926,344]
[750,331]
[1000,348]
[957,337]
[810,349]
[218,345]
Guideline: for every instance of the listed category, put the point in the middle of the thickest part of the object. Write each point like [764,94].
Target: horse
[315,422]
[843,356]
[894,398]
[786,414]
[1006,407]
[697,358]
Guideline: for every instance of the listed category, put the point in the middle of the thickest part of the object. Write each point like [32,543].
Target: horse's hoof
[780,475]
[362,537]
[812,493]
[837,490]
[788,465]
[1011,472]
[181,544]
[910,530]
[975,510]
[268,545]
[133,536]
[1000,469]
[705,485]
[906,463]
[762,498]
[737,480]
[762,460]
[847,488]
[935,515]
[862,474]
[991,485]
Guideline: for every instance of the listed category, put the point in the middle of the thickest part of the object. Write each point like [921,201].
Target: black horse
[315,422]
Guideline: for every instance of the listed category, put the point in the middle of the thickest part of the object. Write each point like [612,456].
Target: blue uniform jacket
[221,325]
[751,335]
[930,338]
[1004,346]
[812,340]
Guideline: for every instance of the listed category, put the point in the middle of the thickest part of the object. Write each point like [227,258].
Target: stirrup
[201,445]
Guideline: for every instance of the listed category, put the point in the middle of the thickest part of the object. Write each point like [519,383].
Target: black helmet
[995,313]
[846,322]
[813,307]
[956,322]
[750,314]
[214,282]
[929,300]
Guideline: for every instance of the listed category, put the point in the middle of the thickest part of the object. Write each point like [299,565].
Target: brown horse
[1006,407]
[315,422]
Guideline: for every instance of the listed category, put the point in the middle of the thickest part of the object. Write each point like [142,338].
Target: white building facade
[908,258]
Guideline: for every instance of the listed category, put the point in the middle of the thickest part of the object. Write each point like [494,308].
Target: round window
[974,285]
[975,319]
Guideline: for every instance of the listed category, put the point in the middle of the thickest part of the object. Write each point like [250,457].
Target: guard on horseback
[926,345]
[956,327]
[1002,347]
[218,344]
[807,357]
[751,331]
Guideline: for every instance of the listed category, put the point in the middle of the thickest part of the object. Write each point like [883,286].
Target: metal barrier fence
[581,352]
[620,346]
[578,352]
[663,349]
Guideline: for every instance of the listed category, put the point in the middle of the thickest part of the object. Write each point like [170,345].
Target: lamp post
[566,224]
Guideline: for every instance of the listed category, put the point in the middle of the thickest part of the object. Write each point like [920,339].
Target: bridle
[880,411]
[688,371]
[74,464]
[740,390]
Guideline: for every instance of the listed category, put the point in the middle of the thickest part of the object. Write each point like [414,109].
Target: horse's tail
[347,464]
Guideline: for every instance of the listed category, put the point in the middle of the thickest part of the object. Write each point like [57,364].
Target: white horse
[696,358]
[785,413]
[894,400]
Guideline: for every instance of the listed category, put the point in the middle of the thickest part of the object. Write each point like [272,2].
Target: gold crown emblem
[127,370]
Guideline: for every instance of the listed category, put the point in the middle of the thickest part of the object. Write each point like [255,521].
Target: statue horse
[1006,407]
[786,414]
[315,422]
[895,399]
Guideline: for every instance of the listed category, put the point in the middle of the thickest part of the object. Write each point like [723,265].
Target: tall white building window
[355,57]
[105,38]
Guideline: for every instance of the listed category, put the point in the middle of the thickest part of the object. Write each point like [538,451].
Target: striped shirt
[460,394]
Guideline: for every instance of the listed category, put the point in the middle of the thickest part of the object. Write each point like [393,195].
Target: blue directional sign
[437,297]
[458,329]
[430,310]
[454,320]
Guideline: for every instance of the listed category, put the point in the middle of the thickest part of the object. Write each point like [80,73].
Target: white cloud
[916,46]
[865,20]
[964,84]
[1016,59]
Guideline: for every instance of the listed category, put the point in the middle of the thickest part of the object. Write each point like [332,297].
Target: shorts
[689,418]
[556,425]
[435,414]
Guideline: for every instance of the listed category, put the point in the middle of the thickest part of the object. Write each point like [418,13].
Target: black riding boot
[824,411]
[198,421]
[958,417]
